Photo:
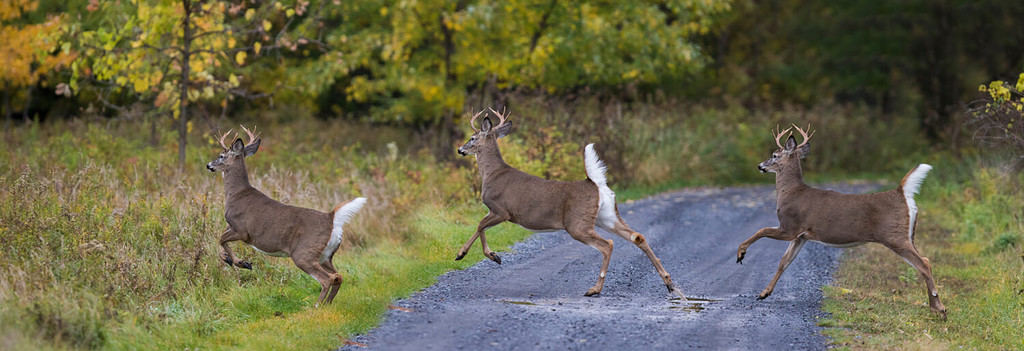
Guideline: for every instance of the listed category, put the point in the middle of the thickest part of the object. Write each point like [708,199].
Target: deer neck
[236,180]
[489,161]
[789,180]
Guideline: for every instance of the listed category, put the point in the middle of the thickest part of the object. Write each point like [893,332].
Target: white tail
[606,216]
[911,185]
[275,228]
[341,216]
[595,167]
[544,205]
[843,220]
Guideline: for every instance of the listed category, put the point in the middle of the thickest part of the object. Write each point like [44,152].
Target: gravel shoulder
[534,299]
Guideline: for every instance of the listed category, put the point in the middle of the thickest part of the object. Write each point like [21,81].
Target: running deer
[308,236]
[547,205]
[841,220]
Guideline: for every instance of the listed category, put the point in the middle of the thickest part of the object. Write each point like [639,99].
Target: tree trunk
[152,130]
[183,97]
[7,110]
[28,103]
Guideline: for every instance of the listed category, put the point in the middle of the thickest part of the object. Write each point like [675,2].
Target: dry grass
[970,227]
[108,245]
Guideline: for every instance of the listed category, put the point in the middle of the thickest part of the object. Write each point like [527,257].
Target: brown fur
[273,227]
[542,205]
[806,213]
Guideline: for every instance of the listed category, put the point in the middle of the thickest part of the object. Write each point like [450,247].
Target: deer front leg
[226,254]
[490,220]
[771,232]
[787,258]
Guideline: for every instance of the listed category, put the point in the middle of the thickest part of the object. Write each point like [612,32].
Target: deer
[307,236]
[543,205]
[840,220]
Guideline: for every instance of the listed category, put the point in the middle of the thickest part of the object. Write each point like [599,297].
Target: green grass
[970,227]
[107,245]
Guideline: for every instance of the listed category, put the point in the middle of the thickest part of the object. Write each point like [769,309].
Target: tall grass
[971,229]
[106,244]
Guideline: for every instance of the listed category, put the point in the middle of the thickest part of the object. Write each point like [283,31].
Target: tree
[28,51]
[915,57]
[171,53]
[415,62]
[998,118]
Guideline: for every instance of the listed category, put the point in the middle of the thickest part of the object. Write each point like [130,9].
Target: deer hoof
[592,292]
[739,257]
[763,295]
[228,261]
[460,256]
[494,257]
[244,264]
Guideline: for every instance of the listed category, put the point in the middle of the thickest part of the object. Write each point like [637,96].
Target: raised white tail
[606,216]
[341,216]
[911,185]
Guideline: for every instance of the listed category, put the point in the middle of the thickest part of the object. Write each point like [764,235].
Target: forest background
[109,220]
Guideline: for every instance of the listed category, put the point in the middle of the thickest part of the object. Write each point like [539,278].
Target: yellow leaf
[256,48]
[267,25]
[240,57]
[188,127]
[249,13]
[233,80]
[289,13]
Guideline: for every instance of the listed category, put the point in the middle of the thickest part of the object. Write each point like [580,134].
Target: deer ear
[805,149]
[485,126]
[790,143]
[504,129]
[252,148]
[237,146]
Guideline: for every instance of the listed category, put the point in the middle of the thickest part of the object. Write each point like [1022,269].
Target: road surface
[534,299]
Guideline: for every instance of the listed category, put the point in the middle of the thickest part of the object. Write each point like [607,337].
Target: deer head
[232,155]
[787,155]
[487,135]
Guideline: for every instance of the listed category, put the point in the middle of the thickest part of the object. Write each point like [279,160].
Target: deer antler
[803,134]
[779,135]
[252,137]
[472,121]
[221,140]
[502,117]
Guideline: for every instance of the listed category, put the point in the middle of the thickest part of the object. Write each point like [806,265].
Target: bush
[997,118]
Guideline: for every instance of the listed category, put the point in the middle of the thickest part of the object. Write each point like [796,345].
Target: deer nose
[209,167]
[463,153]
[761,168]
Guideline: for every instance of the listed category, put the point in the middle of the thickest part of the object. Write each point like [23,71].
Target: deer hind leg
[226,254]
[923,266]
[488,221]
[770,232]
[311,265]
[787,258]
[591,238]
[335,279]
[624,231]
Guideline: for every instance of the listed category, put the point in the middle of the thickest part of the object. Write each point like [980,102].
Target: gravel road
[534,300]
